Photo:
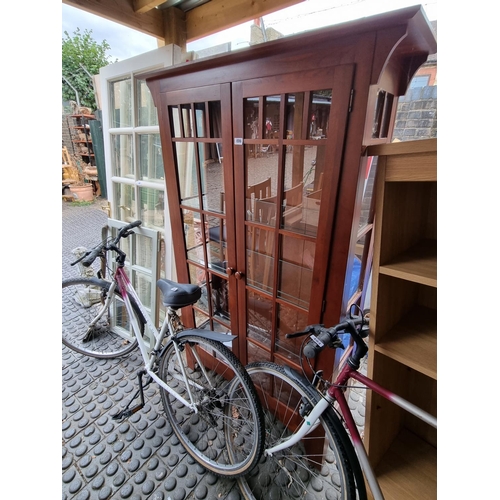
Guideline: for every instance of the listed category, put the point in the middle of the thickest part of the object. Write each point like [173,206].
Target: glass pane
[369,184]
[143,251]
[259,318]
[146,109]
[294,115]
[121,103]
[152,208]
[193,236]
[175,121]
[220,297]
[261,182]
[251,113]
[142,285]
[212,174]
[186,170]
[260,258]
[150,159]
[296,265]
[216,238]
[289,321]
[199,110]
[215,119]
[187,120]
[122,159]
[304,167]
[272,113]
[353,275]
[124,202]
[197,277]
[319,113]
[255,353]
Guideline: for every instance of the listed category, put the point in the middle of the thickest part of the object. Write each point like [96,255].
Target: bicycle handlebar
[322,337]
[92,255]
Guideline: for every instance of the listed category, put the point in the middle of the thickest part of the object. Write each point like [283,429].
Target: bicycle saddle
[177,295]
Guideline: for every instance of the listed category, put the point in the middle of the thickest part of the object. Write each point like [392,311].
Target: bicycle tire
[295,472]
[112,337]
[226,434]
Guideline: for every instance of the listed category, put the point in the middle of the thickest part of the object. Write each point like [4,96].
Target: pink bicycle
[300,414]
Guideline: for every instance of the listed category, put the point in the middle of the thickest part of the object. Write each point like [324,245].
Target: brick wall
[416,117]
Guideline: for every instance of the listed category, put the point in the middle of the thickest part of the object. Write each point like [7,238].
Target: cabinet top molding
[403,38]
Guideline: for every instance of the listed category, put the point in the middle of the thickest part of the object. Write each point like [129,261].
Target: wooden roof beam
[122,12]
[141,6]
[218,15]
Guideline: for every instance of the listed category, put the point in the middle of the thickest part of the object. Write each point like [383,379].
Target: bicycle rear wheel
[112,335]
[312,468]
[225,435]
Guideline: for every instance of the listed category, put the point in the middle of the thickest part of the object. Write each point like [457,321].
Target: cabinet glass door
[288,141]
[199,190]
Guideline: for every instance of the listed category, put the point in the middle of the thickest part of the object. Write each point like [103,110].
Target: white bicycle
[206,392]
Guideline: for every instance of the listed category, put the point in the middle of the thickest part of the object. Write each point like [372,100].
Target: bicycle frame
[127,290]
[335,393]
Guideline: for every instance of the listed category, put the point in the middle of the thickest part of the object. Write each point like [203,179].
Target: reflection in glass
[259,318]
[251,113]
[212,174]
[121,103]
[289,321]
[216,238]
[296,266]
[150,158]
[319,114]
[303,188]
[260,258]
[220,297]
[193,235]
[294,115]
[366,204]
[175,121]
[199,111]
[142,285]
[152,207]
[186,169]
[142,251]
[122,156]
[255,353]
[197,277]
[261,177]
[147,114]
[124,202]
[187,120]
[272,116]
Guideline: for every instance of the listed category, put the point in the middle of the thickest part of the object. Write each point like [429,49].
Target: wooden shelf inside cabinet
[413,341]
[410,477]
[418,264]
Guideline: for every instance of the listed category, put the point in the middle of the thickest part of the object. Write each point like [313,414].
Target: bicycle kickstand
[127,412]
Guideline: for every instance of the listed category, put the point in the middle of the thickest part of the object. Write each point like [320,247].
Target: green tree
[77,51]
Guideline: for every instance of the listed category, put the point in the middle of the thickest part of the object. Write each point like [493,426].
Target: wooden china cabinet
[264,154]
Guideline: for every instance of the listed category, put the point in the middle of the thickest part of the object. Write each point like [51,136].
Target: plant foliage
[77,51]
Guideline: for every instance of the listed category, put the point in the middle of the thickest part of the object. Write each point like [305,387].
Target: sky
[310,14]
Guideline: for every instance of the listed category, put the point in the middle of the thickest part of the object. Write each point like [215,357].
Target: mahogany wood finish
[359,63]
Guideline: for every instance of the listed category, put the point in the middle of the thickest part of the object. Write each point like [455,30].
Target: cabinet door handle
[230,271]
[239,275]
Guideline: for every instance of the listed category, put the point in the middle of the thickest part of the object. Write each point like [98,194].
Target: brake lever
[309,329]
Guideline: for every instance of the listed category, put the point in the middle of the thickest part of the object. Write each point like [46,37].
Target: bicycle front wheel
[109,336]
[225,433]
[318,466]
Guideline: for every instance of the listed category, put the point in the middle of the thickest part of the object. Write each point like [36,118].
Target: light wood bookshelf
[403,320]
